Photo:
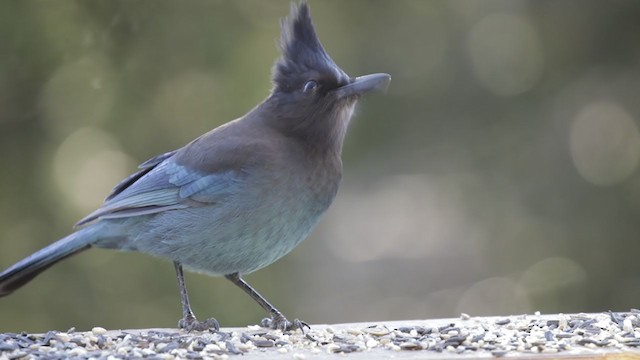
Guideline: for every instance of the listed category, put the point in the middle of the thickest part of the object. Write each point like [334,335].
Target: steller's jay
[241,196]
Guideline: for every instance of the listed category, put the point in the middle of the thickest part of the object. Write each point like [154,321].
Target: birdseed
[499,337]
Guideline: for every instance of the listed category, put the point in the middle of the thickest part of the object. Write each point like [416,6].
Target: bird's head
[312,97]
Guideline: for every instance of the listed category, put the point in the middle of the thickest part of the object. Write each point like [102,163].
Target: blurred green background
[499,174]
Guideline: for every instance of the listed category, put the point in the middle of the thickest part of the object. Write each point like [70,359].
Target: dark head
[312,98]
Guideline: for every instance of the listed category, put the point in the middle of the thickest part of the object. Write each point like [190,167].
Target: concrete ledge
[573,336]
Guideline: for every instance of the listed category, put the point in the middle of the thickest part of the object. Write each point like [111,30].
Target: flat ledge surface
[612,335]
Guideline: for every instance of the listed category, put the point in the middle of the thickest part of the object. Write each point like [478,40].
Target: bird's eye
[310,86]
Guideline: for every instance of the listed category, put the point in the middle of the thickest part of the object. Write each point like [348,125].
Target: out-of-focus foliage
[499,174]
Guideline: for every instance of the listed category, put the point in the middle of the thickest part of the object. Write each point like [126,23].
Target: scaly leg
[189,321]
[277,320]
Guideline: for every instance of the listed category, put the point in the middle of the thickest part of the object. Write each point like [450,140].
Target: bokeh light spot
[79,93]
[87,165]
[495,296]
[420,219]
[605,143]
[552,273]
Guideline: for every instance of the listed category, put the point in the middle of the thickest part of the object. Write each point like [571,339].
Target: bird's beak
[364,84]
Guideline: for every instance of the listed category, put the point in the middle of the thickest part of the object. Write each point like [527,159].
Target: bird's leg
[277,320]
[189,321]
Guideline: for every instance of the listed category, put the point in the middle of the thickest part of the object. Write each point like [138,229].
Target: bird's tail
[25,270]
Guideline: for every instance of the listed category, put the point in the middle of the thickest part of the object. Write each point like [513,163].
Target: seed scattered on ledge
[98,330]
[498,337]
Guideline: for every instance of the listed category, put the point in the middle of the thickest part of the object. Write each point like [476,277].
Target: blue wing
[163,185]
[145,167]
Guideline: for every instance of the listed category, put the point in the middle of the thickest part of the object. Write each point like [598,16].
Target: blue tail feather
[25,270]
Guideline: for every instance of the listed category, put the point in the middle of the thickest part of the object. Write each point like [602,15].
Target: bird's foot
[278,321]
[190,323]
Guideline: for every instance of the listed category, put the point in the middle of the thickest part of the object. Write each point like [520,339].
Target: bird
[240,196]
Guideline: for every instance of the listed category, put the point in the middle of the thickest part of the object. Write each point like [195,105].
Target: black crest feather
[301,49]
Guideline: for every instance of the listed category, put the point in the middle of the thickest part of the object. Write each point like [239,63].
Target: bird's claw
[190,323]
[280,322]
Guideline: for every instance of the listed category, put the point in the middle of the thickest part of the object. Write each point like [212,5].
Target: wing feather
[145,167]
[167,186]
[206,171]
